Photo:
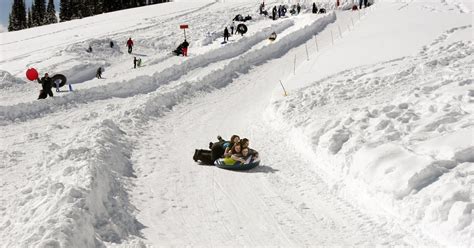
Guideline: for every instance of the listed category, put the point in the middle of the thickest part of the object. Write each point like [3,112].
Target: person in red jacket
[130,45]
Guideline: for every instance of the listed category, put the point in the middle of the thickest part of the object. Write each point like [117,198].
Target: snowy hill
[372,143]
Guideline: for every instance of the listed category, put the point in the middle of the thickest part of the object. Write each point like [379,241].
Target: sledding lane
[281,203]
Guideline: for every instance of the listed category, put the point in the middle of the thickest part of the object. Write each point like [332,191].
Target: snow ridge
[139,85]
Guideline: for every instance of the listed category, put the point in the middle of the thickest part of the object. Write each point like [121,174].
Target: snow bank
[7,80]
[77,196]
[139,85]
[220,78]
[401,132]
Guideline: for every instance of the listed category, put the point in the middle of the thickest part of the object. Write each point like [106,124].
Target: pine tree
[51,13]
[17,18]
[29,22]
[38,12]
[65,10]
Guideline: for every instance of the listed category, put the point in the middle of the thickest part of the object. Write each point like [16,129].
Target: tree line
[39,13]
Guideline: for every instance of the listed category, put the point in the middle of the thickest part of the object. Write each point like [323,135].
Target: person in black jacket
[315,9]
[99,73]
[46,84]
[226,34]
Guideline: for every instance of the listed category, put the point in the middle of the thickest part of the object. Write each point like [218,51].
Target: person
[365,4]
[111,44]
[274,12]
[298,8]
[279,11]
[241,158]
[360,4]
[226,34]
[135,60]
[234,139]
[89,50]
[130,45]
[232,27]
[233,153]
[261,8]
[273,36]
[99,73]
[245,144]
[184,48]
[46,84]
[315,9]
[139,62]
[209,156]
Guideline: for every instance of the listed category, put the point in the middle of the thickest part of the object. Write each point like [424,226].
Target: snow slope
[362,152]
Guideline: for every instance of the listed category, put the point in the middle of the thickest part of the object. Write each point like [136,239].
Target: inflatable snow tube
[242,28]
[58,79]
[237,166]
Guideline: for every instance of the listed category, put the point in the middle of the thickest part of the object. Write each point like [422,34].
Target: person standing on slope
[226,34]
[130,45]
[232,27]
[46,84]
[274,12]
[98,75]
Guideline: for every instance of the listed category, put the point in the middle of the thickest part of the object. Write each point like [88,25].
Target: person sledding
[234,154]
[46,84]
[273,36]
[130,45]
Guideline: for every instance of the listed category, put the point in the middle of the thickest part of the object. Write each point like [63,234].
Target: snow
[371,146]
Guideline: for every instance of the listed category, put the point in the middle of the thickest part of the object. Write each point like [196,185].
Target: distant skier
[135,60]
[139,62]
[298,8]
[274,12]
[232,27]
[315,9]
[46,84]
[130,45]
[99,73]
[89,50]
[111,44]
[226,34]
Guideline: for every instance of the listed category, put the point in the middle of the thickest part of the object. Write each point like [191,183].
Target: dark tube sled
[59,79]
[242,28]
[237,166]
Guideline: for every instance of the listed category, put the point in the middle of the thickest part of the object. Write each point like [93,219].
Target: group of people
[234,151]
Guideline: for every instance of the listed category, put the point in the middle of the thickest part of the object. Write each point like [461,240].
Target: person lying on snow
[223,149]
[238,158]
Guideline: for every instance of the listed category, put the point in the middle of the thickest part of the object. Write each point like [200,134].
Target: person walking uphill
[46,84]
[226,34]
[130,45]
[99,73]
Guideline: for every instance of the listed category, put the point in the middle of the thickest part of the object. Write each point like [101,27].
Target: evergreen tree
[51,13]
[17,18]
[38,12]
[65,12]
[29,22]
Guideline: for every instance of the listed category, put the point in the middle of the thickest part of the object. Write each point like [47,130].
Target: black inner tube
[58,79]
[242,28]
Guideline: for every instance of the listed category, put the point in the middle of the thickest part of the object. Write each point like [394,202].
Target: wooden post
[332,37]
[284,91]
[307,55]
[294,66]
[316,40]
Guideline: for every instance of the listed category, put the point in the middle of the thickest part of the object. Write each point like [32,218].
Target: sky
[6,5]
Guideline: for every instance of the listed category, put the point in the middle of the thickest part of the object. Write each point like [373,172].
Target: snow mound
[411,148]
[80,199]
[7,80]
